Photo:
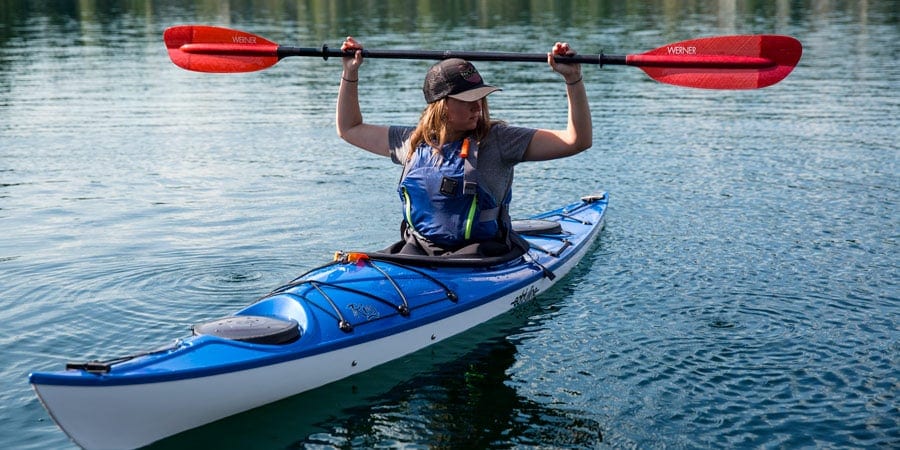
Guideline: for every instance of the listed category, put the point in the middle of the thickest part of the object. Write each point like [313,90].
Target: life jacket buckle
[470,187]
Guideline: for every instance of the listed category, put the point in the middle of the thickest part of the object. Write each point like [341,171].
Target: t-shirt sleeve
[512,141]
[398,141]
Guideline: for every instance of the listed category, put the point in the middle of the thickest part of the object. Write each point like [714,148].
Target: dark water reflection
[744,293]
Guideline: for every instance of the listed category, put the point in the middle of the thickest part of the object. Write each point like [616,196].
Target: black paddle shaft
[326,52]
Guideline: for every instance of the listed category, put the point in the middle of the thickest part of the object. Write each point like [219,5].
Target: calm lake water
[744,293]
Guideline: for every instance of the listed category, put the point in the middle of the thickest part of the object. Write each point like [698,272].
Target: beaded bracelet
[349,81]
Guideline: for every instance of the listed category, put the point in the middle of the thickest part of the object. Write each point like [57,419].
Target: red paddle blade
[723,62]
[221,50]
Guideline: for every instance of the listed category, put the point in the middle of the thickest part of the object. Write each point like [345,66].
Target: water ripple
[744,293]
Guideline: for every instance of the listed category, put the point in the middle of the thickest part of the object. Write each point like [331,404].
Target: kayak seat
[524,227]
[253,329]
[468,256]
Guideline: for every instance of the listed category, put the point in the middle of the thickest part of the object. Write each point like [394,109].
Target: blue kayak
[360,311]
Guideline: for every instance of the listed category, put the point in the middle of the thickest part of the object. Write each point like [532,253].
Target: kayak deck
[357,297]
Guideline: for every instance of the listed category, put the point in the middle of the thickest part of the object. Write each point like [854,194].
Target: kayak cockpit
[518,247]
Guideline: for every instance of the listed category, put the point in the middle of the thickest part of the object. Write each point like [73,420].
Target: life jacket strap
[469,153]
[489,214]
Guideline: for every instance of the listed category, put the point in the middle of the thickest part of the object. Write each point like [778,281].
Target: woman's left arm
[578,135]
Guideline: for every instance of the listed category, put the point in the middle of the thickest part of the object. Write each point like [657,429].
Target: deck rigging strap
[343,324]
[547,272]
[449,292]
[402,309]
[101,367]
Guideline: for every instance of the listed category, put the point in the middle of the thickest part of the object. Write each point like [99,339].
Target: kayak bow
[335,321]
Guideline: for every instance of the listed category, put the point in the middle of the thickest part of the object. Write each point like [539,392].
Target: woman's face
[463,116]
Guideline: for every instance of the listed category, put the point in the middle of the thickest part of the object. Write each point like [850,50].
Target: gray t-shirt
[498,153]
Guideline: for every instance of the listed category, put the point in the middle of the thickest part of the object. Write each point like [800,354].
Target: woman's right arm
[348,117]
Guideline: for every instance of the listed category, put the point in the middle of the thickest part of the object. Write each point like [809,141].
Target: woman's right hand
[571,72]
[352,63]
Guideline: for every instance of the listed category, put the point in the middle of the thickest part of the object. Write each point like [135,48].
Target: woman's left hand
[571,72]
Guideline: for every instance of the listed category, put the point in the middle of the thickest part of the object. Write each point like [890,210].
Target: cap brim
[475,94]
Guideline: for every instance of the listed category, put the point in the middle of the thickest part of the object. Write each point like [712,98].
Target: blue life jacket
[442,201]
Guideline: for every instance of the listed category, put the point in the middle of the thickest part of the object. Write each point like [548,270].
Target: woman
[458,164]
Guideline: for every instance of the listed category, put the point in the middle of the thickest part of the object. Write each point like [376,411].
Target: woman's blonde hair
[432,127]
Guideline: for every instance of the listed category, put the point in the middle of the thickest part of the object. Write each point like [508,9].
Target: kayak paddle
[721,62]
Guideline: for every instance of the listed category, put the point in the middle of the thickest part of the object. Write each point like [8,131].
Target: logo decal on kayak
[367,311]
[527,295]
